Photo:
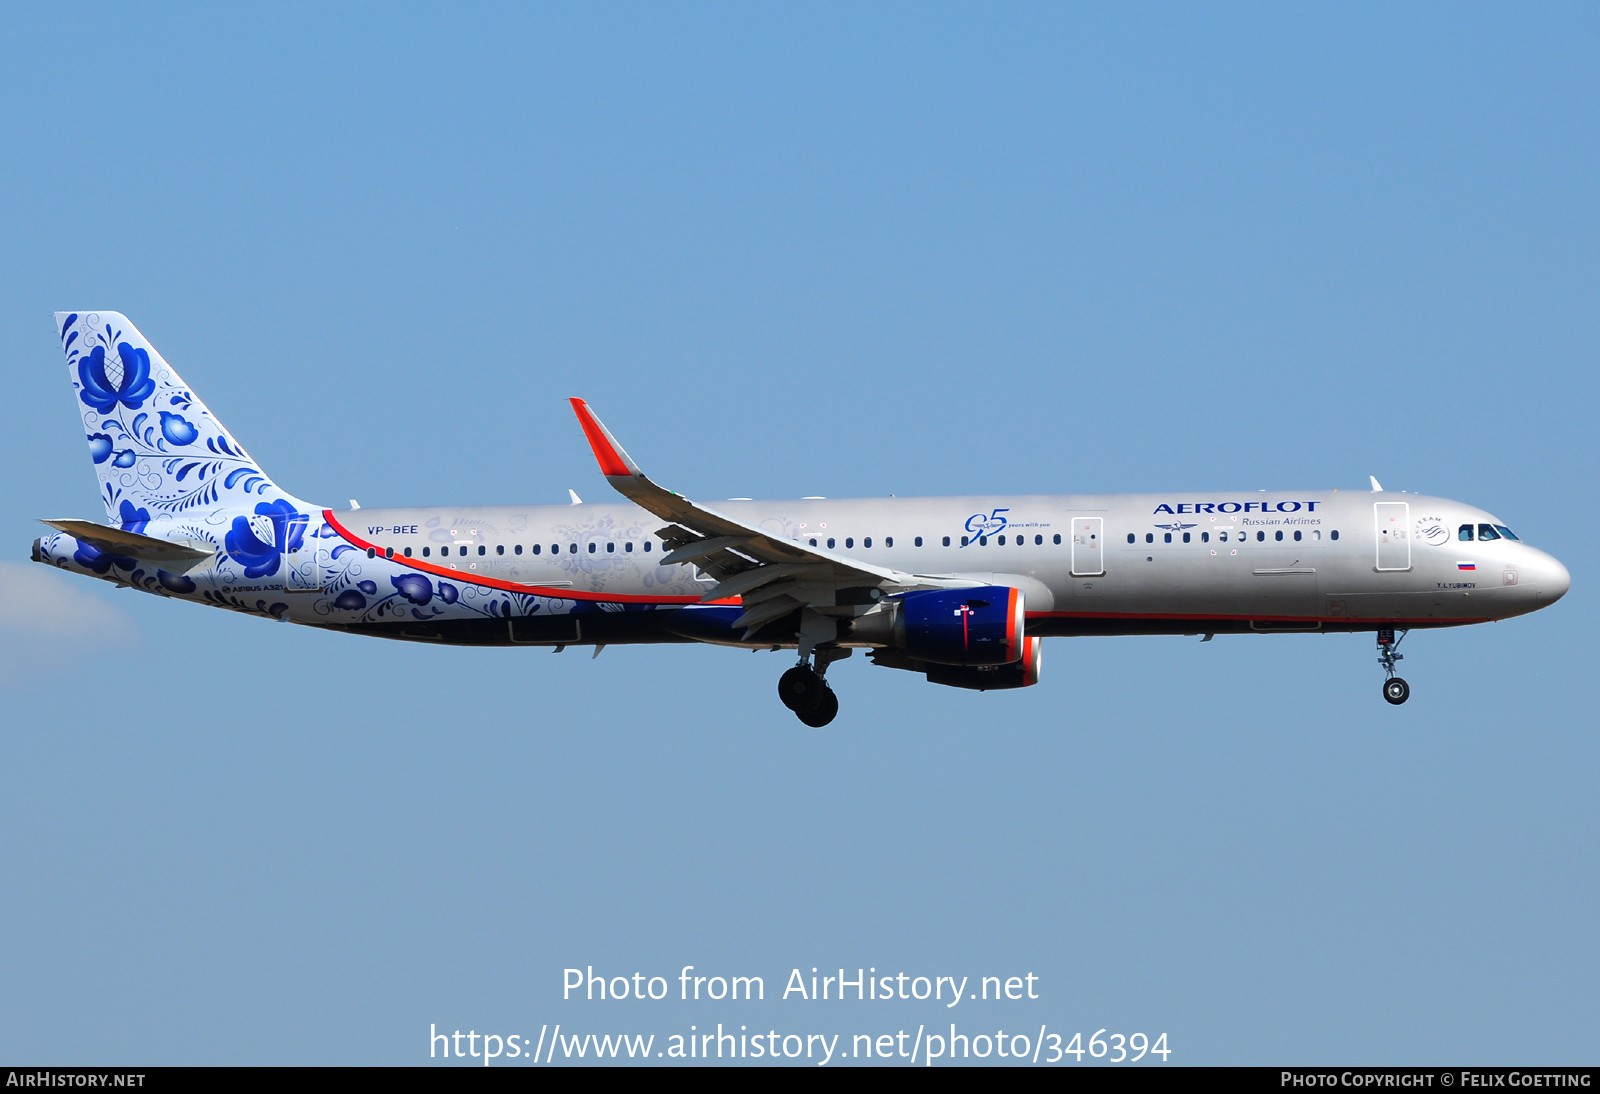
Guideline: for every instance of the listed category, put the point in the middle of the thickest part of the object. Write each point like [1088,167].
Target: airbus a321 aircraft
[961,589]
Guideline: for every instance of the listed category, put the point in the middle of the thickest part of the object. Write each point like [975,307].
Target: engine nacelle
[1021,674]
[981,626]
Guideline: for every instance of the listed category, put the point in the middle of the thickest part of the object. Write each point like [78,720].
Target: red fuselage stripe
[507,586]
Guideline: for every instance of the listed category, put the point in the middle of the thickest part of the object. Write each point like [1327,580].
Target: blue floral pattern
[169,470]
[152,442]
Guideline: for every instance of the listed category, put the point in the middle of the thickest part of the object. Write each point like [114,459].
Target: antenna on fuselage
[1377,487]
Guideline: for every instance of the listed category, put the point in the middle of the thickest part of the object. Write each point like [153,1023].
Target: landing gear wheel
[800,689]
[1396,690]
[825,711]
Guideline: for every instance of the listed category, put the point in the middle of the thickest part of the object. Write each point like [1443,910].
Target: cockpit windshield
[1487,532]
[1504,531]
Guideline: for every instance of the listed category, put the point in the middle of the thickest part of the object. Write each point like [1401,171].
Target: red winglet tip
[611,464]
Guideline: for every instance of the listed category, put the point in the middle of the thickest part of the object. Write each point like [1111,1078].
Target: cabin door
[1088,546]
[1393,521]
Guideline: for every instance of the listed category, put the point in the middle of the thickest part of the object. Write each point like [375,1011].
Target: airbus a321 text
[961,589]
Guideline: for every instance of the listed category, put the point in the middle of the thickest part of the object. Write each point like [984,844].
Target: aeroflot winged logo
[1237,507]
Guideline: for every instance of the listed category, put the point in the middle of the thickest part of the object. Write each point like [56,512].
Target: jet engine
[976,626]
[1019,674]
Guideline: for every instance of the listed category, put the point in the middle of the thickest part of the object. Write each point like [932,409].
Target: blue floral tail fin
[167,467]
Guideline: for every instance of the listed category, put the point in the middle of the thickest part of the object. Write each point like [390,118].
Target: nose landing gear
[804,690]
[1395,690]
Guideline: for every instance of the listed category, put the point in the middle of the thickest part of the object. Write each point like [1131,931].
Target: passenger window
[1465,535]
[917,541]
[499,548]
[1186,537]
[1334,534]
[1205,537]
[813,543]
[611,546]
[830,543]
[1315,534]
[1002,541]
[865,543]
[537,548]
[1130,537]
[1297,535]
[1058,539]
[591,546]
[964,541]
[408,552]
[888,541]
[1261,537]
[573,548]
[646,546]
[388,552]
[1504,531]
[517,549]
[482,550]
[1149,537]
[947,541]
[1486,532]
[1278,535]
[848,542]
[1167,537]
[372,552]
[1038,541]
[983,541]
[628,547]
[424,552]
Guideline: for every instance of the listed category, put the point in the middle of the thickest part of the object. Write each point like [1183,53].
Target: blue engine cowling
[981,626]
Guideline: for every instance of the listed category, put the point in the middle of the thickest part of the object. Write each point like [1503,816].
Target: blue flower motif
[133,520]
[177,429]
[125,458]
[447,592]
[368,587]
[350,601]
[97,561]
[100,447]
[177,583]
[135,387]
[259,558]
[415,588]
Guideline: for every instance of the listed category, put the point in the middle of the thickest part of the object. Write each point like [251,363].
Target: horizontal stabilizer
[114,541]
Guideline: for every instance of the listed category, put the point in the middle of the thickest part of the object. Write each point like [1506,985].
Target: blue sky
[788,251]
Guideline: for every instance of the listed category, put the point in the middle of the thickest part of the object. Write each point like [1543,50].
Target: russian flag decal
[1466,565]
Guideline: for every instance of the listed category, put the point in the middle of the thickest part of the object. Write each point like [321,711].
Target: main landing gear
[804,690]
[1395,690]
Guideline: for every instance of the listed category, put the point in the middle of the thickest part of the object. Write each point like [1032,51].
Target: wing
[773,576]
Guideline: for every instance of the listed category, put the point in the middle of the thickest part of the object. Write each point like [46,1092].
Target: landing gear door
[1393,521]
[304,569]
[1088,546]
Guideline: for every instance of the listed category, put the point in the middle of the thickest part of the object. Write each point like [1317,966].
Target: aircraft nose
[1554,580]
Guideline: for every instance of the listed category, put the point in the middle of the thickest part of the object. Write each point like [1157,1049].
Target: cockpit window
[1486,532]
[1504,531]
[1465,535]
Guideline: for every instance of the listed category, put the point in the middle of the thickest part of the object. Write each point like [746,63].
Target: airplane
[960,589]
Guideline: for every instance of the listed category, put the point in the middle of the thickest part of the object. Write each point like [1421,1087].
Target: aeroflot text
[1237,507]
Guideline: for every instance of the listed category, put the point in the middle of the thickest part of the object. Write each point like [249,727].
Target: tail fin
[165,463]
